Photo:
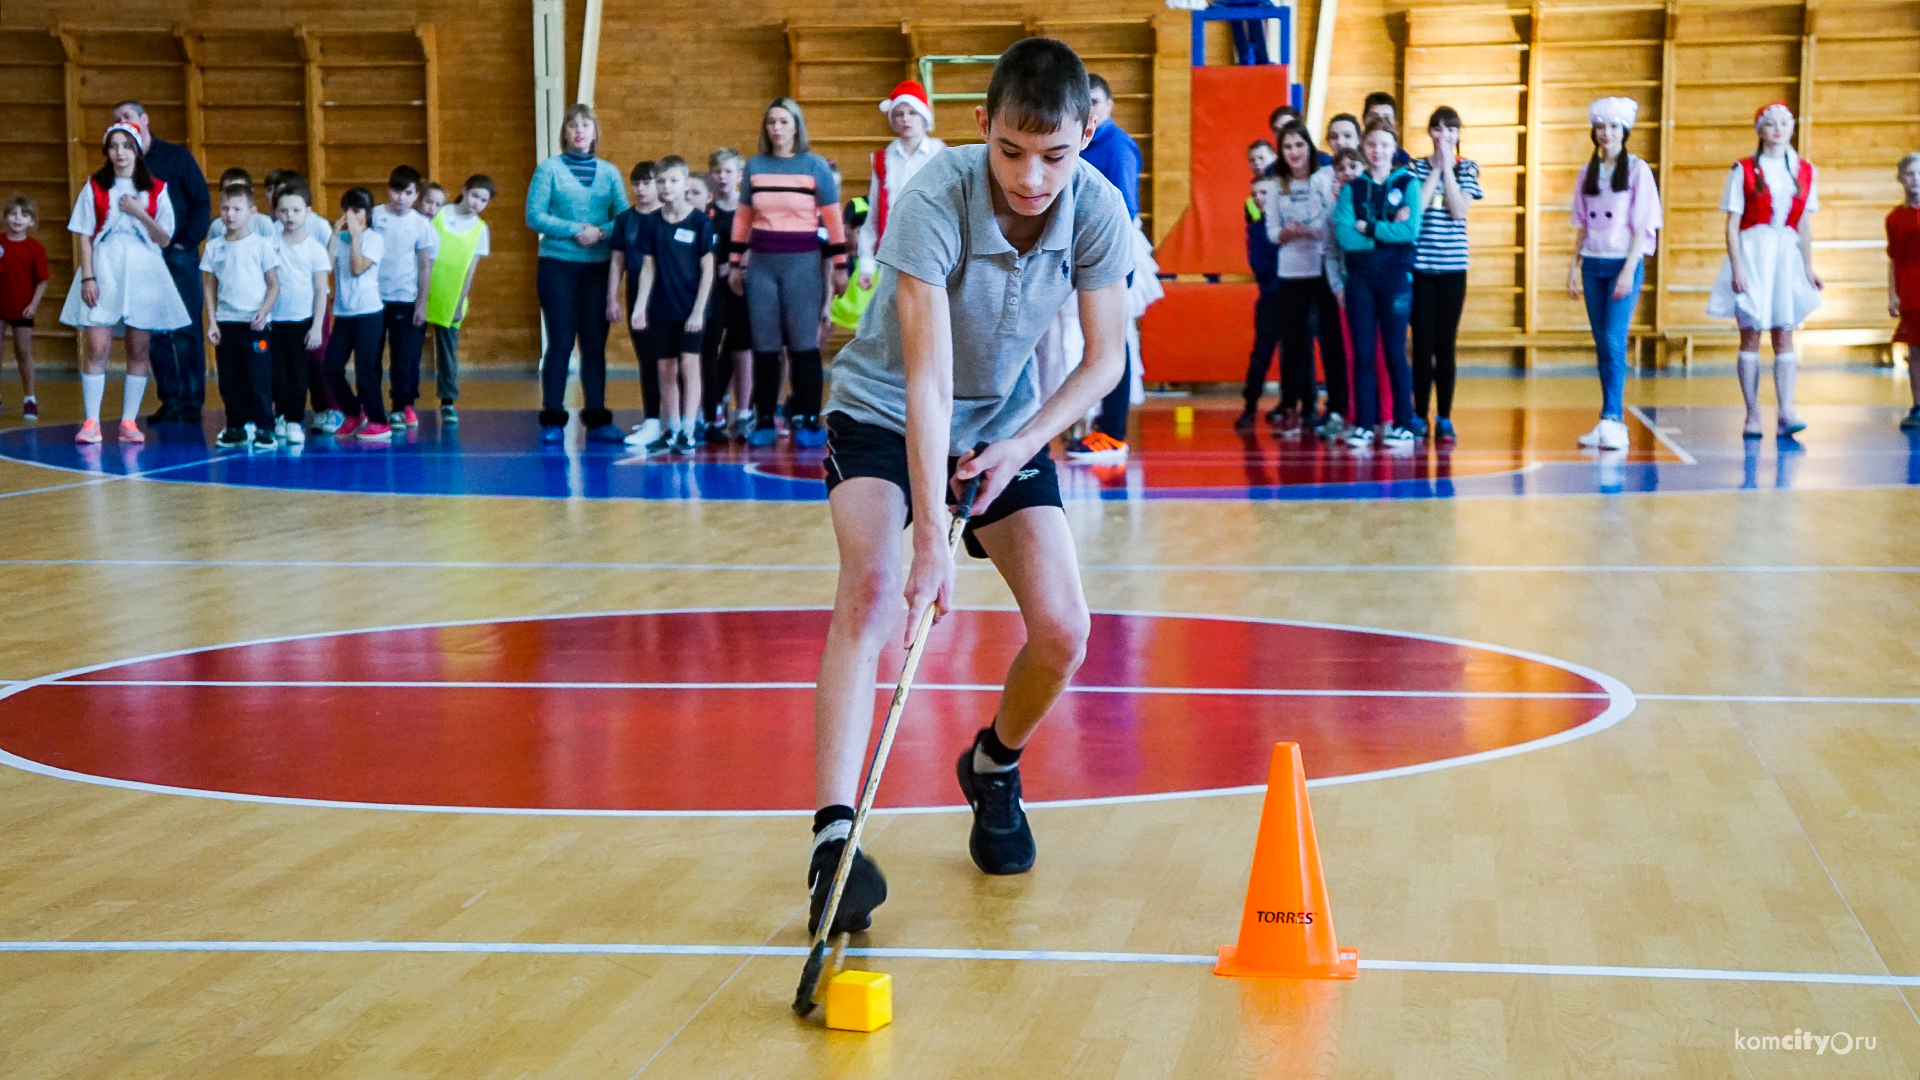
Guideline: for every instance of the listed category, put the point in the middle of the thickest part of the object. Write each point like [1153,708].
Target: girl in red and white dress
[1767,282]
[123,217]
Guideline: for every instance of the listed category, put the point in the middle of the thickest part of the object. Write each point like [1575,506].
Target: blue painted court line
[499,454]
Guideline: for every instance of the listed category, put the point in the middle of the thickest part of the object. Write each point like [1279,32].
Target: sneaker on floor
[660,445]
[742,427]
[30,410]
[264,439]
[396,418]
[606,433]
[1002,841]
[231,437]
[1443,430]
[1333,427]
[410,417]
[1612,435]
[279,427]
[1592,438]
[552,433]
[130,432]
[449,415]
[762,437]
[647,431]
[165,414]
[375,432]
[1418,427]
[682,443]
[328,423]
[1360,438]
[1909,422]
[348,425]
[866,888]
[1398,436]
[89,432]
[1098,448]
[1247,420]
[296,435]
[809,435]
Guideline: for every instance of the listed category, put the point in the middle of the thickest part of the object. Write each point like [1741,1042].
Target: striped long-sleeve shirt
[784,202]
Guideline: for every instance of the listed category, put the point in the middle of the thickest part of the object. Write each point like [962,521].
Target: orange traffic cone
[1287,927]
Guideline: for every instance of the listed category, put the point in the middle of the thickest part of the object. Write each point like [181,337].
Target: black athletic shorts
[20,324]
[857,449]
[670,340]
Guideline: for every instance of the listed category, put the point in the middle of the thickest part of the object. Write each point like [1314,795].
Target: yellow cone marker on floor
[1183,416]
[860,1001]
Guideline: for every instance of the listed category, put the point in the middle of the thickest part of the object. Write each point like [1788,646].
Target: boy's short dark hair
[1039,85]
[481,181]
[403,177]
[295,186]
[1099,82]
[1444,116]
[1257,144]
[643,170]
[236,191]
[235,176]
[1281,114]
[1344,118]
[1380,97]
[702,179]
[21,202]
[671,161]
[357,199]
[277,178]
[1348,153]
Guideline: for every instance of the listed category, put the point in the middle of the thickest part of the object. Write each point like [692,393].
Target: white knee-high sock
[92,389]
[135,392]
[1786,367]
[1748,365]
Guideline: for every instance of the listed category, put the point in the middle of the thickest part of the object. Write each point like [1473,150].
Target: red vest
[880,211]
[100,204]
[1759,197]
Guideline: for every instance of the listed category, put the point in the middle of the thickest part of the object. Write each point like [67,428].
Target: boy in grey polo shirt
[983,247]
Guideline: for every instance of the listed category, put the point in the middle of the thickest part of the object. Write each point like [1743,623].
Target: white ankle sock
[92,389]
[673,425]
[984,764]
[836,830]
[135,392]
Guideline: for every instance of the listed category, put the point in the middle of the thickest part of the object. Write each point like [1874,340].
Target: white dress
[135,288]
[1778,295]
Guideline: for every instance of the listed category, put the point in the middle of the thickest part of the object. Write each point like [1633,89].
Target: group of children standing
[1358,243]
[391,270]
[1363,244]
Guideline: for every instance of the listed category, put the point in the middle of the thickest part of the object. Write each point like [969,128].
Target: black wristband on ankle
[997,752]
[827,815]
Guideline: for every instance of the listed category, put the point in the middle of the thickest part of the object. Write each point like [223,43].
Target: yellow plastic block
[860,1001]
[1183,416]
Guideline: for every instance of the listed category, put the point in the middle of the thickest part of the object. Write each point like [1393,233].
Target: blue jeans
[1610,319]
[1379,303]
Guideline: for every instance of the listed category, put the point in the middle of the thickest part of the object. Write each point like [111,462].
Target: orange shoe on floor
[1098,448]
[89,433]
[130,432]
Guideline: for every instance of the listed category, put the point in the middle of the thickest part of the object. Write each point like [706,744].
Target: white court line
[820,568]
[1620,704]
[1054,955]
[1184,691]
[1665,440]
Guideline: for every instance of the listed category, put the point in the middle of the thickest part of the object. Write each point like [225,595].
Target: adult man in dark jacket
[180,357]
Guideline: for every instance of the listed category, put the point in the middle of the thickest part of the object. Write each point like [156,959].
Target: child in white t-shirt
[357,314]
[295,326]
[242,273]
[408,266]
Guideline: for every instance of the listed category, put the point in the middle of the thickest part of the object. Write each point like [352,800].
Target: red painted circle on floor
[583,737]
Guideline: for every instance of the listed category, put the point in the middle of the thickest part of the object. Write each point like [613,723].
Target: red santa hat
[911,93]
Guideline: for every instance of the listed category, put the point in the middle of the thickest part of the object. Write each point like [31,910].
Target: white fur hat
[1615,110]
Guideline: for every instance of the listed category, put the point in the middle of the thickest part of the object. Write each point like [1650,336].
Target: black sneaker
[263,439]
[230,437]
[866,889]
[1911,421]
[1002,841]
[1246,420]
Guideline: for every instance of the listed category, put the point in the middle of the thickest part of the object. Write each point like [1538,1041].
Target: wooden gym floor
[1723,843]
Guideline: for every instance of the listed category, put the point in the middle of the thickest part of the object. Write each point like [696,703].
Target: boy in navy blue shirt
[632,239]
[676,278]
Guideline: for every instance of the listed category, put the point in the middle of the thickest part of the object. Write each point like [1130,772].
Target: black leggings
[809,380]
[1266,338]
[573,301]
[1438,300]
[1302,306]
[290,369]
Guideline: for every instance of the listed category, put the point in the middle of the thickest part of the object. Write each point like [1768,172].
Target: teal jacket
[558,206]
[1365,200]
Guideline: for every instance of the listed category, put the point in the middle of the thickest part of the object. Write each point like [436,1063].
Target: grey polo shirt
[942,231]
